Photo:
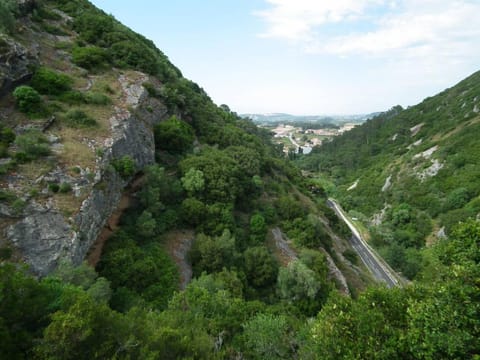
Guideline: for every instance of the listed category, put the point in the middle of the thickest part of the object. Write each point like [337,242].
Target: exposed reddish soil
[113,221]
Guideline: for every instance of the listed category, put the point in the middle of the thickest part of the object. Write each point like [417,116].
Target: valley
[140,220]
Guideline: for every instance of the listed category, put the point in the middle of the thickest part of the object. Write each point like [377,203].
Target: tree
[147,272]
[174,135]
[260,266]
[146,224]
[266,337]
[81,332]
[24,306]
[371,327]
[220,172]
[193,181]
[444,320]
[249,161]
[193,211]
[258,229]
[302,287]
[211,254]
[297,281]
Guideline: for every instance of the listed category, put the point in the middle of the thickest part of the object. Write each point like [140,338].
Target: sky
[309,57]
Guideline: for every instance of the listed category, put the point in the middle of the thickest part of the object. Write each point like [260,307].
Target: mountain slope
[89,109]
[413,171]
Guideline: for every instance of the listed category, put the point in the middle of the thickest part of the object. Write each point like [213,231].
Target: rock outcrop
[16,63]
[44,235]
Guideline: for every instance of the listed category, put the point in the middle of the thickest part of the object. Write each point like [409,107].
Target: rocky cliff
[45,235]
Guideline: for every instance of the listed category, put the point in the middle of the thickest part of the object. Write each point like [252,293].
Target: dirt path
[178,244]
[282,246]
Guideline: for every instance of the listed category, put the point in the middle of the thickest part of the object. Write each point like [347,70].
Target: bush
[28,99]
[89,57]
[65,188]
[7,196]
[49,82]
[8,10]
[18,206]
[52,29]
[7,135]
[351,256]
[125,166]
[133,54]
[79,119]
[5,253]
[72,97]
[152,91]
[54,187]
[96,98]
[77,97]
[33,144]
[174,135]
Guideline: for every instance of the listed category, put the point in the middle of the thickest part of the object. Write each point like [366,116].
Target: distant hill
[332,119]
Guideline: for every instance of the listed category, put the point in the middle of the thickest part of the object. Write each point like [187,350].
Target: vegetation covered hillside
[222,237]
[412,174]
[203,241]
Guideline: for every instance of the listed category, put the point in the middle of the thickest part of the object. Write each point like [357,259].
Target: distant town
[299,134]
[300,139]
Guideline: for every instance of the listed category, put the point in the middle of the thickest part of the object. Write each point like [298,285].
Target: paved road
[377,267]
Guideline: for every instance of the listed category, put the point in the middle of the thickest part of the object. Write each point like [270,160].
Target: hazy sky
[312,56]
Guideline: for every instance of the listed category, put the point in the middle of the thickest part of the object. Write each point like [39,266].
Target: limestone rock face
[16,64]
[44,235]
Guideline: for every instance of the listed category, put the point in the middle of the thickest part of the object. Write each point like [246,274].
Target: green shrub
[133,54]
[351,256]
[78,119]
[90,97]
[7,135]
[18,205]
[93,27]
[72,97]
[49,82]
[32,144]
[41,12]
[174,135]
[89,57]
[5,253]
[54,30]
[152,91]
[65,187]
[96,98]
[7,196]
[3,150]
[125,166]
[8,10]
[28,99]
[54,187]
